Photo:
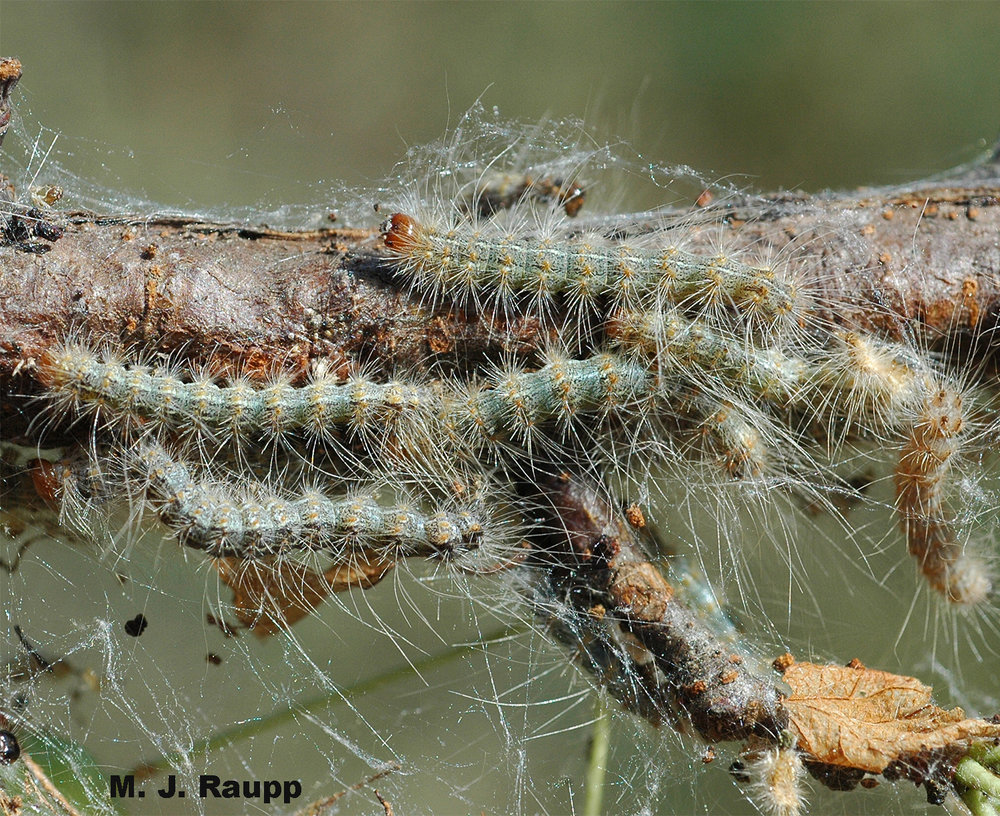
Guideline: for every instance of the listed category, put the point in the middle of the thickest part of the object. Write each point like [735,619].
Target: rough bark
[597,564]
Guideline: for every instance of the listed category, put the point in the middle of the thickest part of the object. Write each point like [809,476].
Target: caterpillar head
[399,232]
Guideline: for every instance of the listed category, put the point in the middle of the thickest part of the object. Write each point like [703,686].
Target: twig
[10,73]
[595,560]
[323,806]
[386,805]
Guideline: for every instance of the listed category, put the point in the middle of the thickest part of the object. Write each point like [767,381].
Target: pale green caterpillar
[511,406]
[462,259]
[256,524]
[77,375]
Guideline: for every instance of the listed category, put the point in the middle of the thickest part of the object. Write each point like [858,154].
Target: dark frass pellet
[136,626]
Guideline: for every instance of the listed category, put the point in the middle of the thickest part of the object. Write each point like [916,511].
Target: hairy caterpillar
[921,477]
[259,524]
[74,480]
[85,380]
[480,260]
[244,519]
[862,381]
[774,775]
[510,406]
[735,442]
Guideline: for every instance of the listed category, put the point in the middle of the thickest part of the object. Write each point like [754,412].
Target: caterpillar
[87,381]
[460,259]
[736,443]
[863,382]
[258,524]
[80,488]
[510,406]
[774,775]
[924,466]
[517,404]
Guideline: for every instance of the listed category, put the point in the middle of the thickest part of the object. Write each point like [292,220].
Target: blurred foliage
[233,102]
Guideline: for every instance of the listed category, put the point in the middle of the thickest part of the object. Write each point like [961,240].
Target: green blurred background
[208,103]
[226,106]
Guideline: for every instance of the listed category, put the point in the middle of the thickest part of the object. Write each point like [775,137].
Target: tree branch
[920,262]
[876,260]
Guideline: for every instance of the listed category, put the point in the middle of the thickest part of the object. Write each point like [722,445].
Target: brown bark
[597,561]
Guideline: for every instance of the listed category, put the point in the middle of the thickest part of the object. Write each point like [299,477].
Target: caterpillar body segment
[81,488]
[704,353]
[73,480]
[923,473]
[394,418]
[735,443]
[869,383]
[518,403]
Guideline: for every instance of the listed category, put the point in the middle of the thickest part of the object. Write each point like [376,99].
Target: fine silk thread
[504,191]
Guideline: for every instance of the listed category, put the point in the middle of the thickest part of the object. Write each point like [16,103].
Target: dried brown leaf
[865,719]
[269,597]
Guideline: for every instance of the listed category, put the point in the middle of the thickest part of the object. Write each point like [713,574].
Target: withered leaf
[863,718]
[269,597]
